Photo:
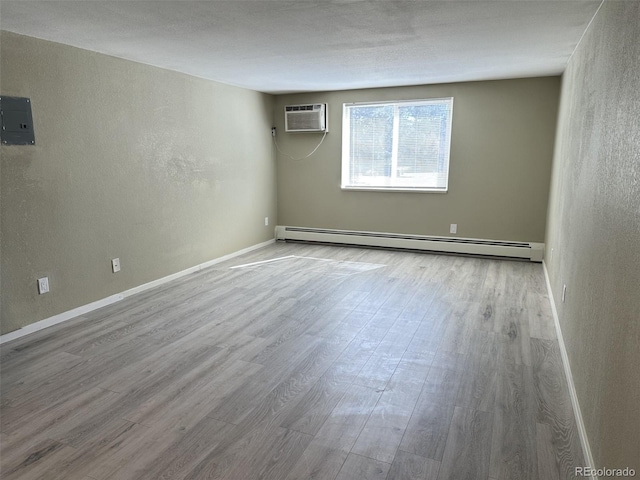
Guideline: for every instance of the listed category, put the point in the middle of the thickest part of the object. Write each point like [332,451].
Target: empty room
[328,240]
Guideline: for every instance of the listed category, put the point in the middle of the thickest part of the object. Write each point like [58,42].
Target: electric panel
[17,121]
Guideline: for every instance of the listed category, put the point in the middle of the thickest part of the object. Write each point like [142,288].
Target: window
[397,145]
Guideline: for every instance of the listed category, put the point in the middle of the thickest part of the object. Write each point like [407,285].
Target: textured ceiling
[280,46]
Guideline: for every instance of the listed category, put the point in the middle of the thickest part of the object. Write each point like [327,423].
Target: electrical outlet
[273,132]
[266,221]
[453,228]
[115,265]
[43,285]
[564,293]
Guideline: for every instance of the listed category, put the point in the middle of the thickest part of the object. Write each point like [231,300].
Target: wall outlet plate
[266,221]
[453,228]
[115,265]
[43,285]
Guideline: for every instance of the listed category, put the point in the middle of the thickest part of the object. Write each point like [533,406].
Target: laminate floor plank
[454,362]
[140,369]
[316,405]
[423,346]
[126,402]
[434,322]
[514,444]
[227,316]
[28,413]
[19,449]
[378,327]
[99,456]
[252,450]
[457,335]
[186,452]
[381,289]
[385,427]
[385,359]
[297,362]
[427,431]
[513,335]
[233,320]
[37,461]
[552,395]
[478,383]
[353,358]
[270,457]
[425,292]
[343,334]
[470,276]
[128,457]
[468,449]
[553,406]
[204,386]
[380,367]
[548,467]
[37,373]
[417,360]
[485,343]
[540,317]
[270,412]
[55,421]
[318,463]
[345,422]
[194,395]
[86,374]
[357,467]
[239,403]
[400,297]
[442,384]
[485,314]
[407,466]
[19,355]
[286,336]
[152,320]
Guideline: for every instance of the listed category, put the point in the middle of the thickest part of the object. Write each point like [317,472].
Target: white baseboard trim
[75,312]
[59,318]
[582,432]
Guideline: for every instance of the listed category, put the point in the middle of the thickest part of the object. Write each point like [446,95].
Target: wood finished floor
[324,363]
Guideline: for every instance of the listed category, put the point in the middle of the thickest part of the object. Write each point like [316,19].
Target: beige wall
[594,230]
[160,169]
[501,152]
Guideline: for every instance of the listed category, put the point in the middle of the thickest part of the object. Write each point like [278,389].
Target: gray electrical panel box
[17,122]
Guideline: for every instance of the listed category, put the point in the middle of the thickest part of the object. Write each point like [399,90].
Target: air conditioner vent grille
[306,118]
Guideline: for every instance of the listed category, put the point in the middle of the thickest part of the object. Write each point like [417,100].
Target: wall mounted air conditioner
[306,118]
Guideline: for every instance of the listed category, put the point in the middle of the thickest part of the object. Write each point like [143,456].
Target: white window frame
[346,147]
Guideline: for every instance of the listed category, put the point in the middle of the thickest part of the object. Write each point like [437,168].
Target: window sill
[394,189]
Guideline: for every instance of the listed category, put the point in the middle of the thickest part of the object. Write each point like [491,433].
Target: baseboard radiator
[464,246]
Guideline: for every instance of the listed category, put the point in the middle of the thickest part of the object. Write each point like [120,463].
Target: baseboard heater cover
[469,246]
